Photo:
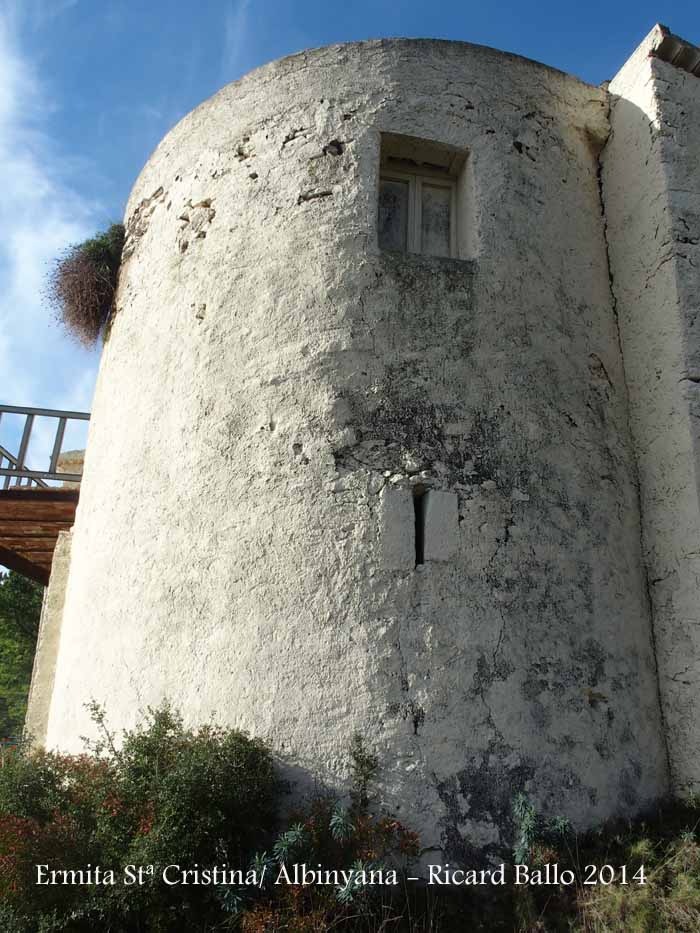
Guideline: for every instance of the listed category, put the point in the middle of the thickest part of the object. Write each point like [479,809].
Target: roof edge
[676,51]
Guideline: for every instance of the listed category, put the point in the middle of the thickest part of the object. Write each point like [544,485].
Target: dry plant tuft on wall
[83,282]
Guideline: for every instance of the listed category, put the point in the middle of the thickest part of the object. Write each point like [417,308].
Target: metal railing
[12,467]
[16,470]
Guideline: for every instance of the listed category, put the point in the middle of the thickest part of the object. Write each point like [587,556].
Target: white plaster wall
[274,386]
[652,199]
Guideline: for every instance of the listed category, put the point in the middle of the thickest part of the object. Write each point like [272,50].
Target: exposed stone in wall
[246,540]
[139,219]
[651,183]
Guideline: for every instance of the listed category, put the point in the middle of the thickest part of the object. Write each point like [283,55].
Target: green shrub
[670,899]
[659,849]
[350,842]
[83,283]
[365,845]
[167,795]
[198,798]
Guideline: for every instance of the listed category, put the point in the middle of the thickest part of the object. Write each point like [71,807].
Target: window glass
[435,220]
[393,214]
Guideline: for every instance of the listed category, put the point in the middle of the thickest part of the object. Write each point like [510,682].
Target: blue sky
[88,88]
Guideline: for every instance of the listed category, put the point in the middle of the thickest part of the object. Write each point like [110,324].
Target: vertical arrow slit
[419,501]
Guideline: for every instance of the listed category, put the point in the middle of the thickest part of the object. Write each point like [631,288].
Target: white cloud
[235,29]
[40,215]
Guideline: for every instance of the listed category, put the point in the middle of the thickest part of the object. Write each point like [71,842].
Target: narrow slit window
[419,520]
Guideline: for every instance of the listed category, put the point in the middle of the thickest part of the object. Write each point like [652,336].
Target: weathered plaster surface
[651,183]
[48,640]
[273,389]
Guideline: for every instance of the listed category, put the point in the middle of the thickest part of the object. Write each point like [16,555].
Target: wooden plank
[48,492]
[21,528]
[29,543]
[33,508]
[40,558]
[30,520]
[38,494]
[26,568]
[37,511]
[41,561]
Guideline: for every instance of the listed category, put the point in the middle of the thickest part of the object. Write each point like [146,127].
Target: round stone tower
[359,457]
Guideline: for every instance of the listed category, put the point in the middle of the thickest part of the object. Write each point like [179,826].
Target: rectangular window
[418,196]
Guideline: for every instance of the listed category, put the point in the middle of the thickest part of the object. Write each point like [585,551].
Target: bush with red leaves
[165,794]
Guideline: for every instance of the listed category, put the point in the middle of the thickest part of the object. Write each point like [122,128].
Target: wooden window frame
[415,206]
